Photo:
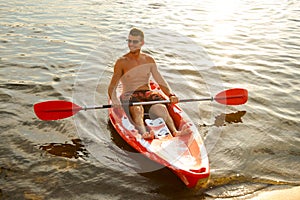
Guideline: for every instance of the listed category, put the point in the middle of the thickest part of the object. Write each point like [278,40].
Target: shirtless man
[134,70]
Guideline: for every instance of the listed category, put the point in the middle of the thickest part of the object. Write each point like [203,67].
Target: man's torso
[136,72]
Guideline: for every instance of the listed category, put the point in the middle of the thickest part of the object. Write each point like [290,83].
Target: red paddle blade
[236,96]
[54,110]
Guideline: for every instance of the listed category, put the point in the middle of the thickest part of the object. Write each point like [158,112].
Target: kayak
[185,155]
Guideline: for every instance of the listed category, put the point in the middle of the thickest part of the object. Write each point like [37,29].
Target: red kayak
[185,155]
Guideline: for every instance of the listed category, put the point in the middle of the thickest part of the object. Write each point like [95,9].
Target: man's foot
[185,130]
[148,136]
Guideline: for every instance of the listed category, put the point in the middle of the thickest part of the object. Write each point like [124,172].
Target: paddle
[59,109]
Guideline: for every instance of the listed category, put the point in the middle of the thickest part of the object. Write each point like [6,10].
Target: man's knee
[137,112]
[137,109]
[158,110]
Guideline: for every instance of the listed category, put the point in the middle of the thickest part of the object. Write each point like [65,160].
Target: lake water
[66,50]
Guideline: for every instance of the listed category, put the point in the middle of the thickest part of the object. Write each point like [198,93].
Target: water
[66,50]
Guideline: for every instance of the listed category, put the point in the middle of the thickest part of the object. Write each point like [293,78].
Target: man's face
[135,43]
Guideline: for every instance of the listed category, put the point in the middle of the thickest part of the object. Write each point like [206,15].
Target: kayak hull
[185,155]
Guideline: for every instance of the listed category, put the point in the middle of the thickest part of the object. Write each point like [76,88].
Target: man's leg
[137,114]
[160,110]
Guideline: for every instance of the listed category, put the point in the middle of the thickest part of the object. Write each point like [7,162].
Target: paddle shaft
[141,103]
[159,102]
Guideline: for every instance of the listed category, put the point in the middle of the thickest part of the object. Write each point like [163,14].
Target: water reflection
[75,150]
[230,118]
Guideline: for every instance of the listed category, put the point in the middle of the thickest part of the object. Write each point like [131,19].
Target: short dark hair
[137,32]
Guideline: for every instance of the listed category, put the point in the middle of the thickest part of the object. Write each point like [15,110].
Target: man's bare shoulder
[121,60]
[148,57]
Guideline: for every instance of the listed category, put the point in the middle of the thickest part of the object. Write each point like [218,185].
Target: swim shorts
[140,96]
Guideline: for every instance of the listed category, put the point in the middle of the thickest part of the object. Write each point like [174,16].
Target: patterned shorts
[140,96]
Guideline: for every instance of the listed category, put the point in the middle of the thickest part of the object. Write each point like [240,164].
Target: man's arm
[160,79]
[162,82]
[118,72]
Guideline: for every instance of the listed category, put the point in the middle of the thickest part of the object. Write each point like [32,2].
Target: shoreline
[292,193]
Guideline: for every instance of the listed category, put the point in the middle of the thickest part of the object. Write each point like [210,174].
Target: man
[134,70]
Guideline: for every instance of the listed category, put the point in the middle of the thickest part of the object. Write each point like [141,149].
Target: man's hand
[174,99]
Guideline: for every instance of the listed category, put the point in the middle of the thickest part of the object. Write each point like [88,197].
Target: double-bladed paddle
[59,109]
